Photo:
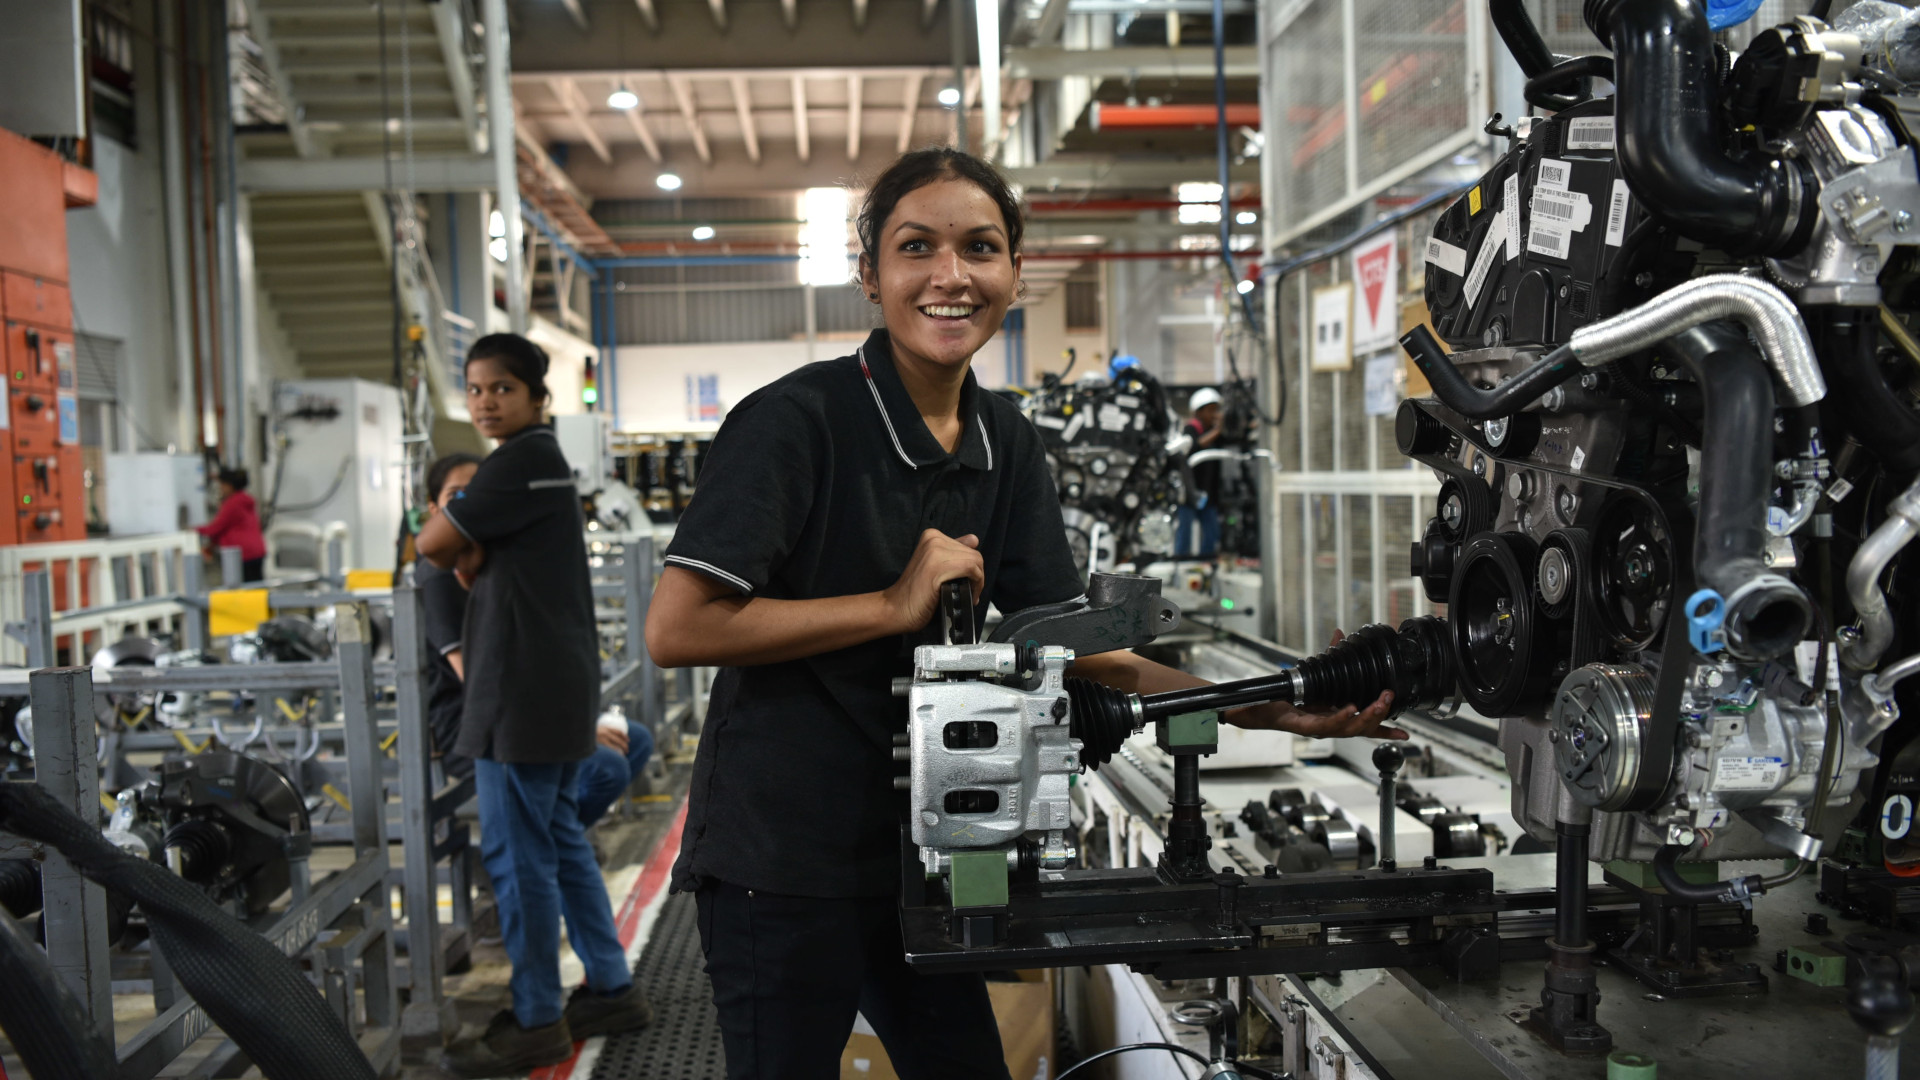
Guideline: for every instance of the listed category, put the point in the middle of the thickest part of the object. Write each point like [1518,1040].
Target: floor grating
[683,1042]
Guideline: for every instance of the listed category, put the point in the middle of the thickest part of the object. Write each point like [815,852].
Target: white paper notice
[1617,215]
[1489,248]
[1385,376]
[1590,133]
[1446,256]
[1332,322]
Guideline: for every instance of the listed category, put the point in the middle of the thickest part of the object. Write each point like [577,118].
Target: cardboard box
[1024,1011]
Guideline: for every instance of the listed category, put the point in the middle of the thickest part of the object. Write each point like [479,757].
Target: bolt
[1712,677]
[1480,467]
[1563,292]
[1591,380]
[1901,219]
[1060,708]
[1643,279]
[1566,504]
[1429,863]
[1451,512]
[1554,735]
[1271,871]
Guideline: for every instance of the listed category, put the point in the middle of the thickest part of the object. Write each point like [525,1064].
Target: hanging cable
[1173,1048]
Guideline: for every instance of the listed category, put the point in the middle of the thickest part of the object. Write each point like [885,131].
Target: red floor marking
[653,877]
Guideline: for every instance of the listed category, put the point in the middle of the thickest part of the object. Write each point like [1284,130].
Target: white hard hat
[1202,398]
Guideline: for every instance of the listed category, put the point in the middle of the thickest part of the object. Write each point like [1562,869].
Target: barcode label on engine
[1483,263]
[1590,133]
[1447,256]
[1617,215]
[1554,173]
[1748,773]
[1511,203]
[1557,215]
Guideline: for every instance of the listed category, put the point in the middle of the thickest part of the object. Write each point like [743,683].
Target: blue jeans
[1208,517]
[609,772]
[536,851]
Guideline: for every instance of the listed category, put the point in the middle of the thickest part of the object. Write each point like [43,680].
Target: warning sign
[1376,307]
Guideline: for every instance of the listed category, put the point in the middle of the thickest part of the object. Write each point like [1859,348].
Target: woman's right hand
[937,559]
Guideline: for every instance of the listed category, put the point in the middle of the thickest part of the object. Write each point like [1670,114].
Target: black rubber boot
[589,1013]
[506,1048]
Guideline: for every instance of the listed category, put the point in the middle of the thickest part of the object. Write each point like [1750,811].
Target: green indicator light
[19,374]
[26,500]
[1226,604]
[589,395]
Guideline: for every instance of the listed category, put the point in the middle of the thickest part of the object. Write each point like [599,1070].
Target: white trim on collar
[984,441]
[861,353]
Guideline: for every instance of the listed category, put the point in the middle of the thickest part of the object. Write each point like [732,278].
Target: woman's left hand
[1347,722]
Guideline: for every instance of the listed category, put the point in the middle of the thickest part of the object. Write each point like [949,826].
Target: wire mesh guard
[683,1042]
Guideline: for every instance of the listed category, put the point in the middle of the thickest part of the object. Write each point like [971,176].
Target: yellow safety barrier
[369,579]
[235,611]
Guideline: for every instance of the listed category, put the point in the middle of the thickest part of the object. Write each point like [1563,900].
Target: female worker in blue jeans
[531,660]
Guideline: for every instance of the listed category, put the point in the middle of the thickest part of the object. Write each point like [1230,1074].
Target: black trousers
[253,569]
[789,972]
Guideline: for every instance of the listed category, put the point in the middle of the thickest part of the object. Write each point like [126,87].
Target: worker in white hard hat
[1203,509]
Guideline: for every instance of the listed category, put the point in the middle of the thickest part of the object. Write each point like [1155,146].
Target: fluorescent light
[1245,287]
[623,99]
[496,224]
[823,237]
[1199,213]
[703,232]
[1198,193]
[668,181]
[949,96]
[1245,217]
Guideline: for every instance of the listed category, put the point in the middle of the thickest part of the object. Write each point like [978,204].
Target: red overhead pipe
[1102,206]
[1162,117]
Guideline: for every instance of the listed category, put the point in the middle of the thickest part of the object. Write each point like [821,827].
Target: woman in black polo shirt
[531,667]
[832,506]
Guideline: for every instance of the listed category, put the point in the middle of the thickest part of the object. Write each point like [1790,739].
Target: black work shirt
[443,602]
[819,485]
[530,646]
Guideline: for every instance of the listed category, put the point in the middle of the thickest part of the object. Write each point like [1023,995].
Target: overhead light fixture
[623,98]
[703,232]
[497,230]
[1245,287]
[1245,217]
[823,236]
[949,96]
[668,181]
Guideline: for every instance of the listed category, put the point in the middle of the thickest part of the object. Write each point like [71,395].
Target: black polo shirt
[530,646]
[443,603]
[819,485]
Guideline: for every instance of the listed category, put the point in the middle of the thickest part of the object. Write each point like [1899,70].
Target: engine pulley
[1503,659]
[1600,721]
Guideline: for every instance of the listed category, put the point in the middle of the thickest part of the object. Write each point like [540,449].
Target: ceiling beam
[749,131]
[574,12]
[647,14]
[927,8]
[575,104]
[855,88]
[790,13]
[1053,19]
[859,14]
[684,96]
[639,124]
[719,12]
[801,136]
[910,109]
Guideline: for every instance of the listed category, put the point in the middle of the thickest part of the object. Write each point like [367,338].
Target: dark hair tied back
[918,168]
[442,469]
[522,358]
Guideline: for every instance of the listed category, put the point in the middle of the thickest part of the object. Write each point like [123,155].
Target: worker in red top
[237,524]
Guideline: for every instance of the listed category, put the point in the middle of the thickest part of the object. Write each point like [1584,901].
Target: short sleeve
[444,601]
[1037,566]
[756,490]
[514,487]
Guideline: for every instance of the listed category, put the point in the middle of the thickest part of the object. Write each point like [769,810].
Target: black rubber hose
[1453,389]
[1719,892]
[1673,138]
[1874,412]
[1523,39]
[1568,79]
[1736,478]
[43,1020]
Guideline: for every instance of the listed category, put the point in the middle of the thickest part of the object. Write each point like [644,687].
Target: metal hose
[1764,310]
[1863,651]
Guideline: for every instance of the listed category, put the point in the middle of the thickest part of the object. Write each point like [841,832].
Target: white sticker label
[1748,773]
[1511,205]
[1590,133]
[1556,216]
[1113,418]
[1617,215]
[1126,401]
[1548,239]
[1896,817]
[1446,256]
[1054,422]
[1579,457]
[1839,489]
[1073,426]
[1489,247]
[1554,173]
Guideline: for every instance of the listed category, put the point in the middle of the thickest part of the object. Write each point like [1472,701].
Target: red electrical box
[40,428]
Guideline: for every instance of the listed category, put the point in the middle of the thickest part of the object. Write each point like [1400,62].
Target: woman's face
[500,403]
[946,273]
